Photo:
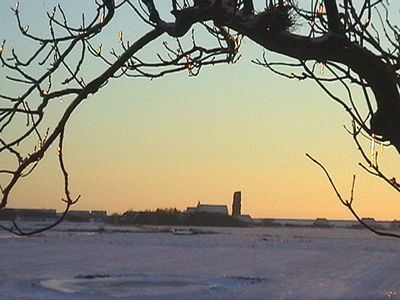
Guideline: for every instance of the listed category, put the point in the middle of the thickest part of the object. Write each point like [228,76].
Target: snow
[79,261]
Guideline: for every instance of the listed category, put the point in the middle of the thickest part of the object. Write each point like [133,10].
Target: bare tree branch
[349,203]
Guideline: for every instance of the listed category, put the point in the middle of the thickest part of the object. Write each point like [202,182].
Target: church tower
[237,205]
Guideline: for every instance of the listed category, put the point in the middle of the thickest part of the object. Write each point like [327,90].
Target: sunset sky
[171,142]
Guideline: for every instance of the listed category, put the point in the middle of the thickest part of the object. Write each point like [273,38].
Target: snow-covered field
[82,262]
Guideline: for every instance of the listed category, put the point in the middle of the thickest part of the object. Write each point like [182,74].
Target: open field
[89,261]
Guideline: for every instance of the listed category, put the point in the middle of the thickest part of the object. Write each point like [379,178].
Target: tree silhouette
[350,44]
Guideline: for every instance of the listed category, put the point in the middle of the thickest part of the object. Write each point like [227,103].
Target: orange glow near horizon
[173,152]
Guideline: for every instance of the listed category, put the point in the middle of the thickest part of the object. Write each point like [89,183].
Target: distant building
[244,219]
[78,216]
[98,215]
[24,214]
[212,209]
[237,204]
[223,209]
[237,209]
[208,208]
[322,222]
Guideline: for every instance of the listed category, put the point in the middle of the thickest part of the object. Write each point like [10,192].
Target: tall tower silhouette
[237,205]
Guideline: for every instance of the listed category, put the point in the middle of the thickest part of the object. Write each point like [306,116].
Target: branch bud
[16,8]
[98,50]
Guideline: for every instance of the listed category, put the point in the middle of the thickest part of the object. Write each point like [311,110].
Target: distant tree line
[172,216]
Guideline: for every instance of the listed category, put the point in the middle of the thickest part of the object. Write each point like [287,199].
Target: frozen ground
[81,262]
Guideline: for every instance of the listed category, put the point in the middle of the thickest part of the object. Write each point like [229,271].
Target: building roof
[209,208]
